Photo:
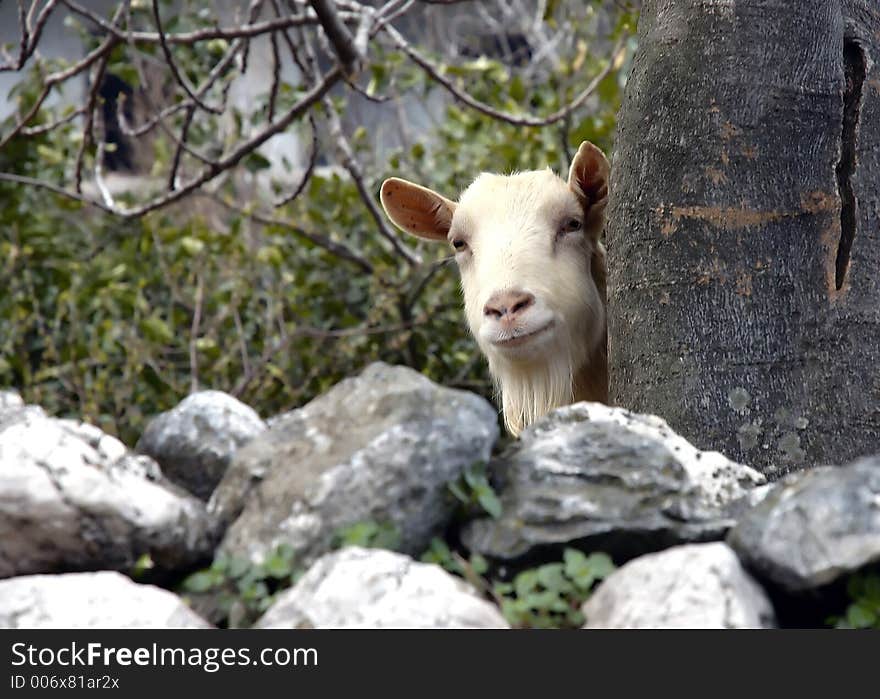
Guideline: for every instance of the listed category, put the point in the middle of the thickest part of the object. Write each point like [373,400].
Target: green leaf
[552,577]
[525,582]
[278,565]
[192,246]
[156,329]
[238,567]
[479,564]
[203,581]
[601,565]
[860,617]
[490,502]
[142,565]
[459,492]
[517,89]
[255,162]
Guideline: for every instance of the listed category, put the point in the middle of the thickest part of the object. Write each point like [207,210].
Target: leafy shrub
[370,535]
[440,554]
[113,321]
[547,597]
[551,595]
[864,611]
[474,493]
[234,591]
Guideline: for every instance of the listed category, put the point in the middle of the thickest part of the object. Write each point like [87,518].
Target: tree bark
[744,228]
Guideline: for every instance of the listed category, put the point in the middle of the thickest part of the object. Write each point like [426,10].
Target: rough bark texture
[744,228]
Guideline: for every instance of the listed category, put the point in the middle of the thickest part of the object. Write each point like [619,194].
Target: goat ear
[588,178]
[416,209]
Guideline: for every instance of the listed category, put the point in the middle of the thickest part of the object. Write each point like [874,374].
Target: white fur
[510,223]
[516,242]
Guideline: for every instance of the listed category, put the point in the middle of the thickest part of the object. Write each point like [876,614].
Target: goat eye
[572,225]
[459,244]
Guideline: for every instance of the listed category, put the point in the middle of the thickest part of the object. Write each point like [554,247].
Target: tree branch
[339,37]
[435,72]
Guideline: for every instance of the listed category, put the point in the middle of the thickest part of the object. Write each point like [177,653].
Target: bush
[113,321]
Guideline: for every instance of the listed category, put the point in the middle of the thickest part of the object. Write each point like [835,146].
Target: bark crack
[854,69]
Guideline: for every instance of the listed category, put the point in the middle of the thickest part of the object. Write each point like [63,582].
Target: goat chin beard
[530,391]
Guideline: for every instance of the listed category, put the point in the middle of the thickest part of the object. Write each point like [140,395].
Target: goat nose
[508,303]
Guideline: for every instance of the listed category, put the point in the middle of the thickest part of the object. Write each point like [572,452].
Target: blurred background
[189,191]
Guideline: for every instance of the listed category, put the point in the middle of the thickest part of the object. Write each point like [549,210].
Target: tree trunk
[744,228]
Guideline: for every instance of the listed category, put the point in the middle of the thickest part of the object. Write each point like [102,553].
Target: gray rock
[74,498]
[104,600]
[608,479]
[195,441]
[814,526]
[697,586]
[380,447]
[372,588]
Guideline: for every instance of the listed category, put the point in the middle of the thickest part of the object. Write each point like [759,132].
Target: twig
[61,191]
[436,74]
[246,31]
[88,136]
[339,250]
[350,163]
[242,344]
[172,65]
[59,77]
[193,336]
[181,146]
[276,75]
[99,177]
[30,33]
[52,125]
[310,168]
[339,37]
[209,172]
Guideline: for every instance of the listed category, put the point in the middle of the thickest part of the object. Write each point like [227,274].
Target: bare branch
[350,163]
[56,78]
[31,32]
[194,335]
[175,71]
[339,250]
[88,136]
[99,177]
[181,146]
[276,76]
[339,37]
[42,184]
[25,34]
[310,167]
[52,125]
[435,72]
[209,172]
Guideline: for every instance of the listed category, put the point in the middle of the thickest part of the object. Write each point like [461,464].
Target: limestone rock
[697,586]
[372,588]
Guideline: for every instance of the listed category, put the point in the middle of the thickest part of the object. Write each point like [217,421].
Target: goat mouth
[518,340]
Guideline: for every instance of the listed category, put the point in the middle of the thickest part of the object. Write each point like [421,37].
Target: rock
[74,498]
[697,586]
[604,478]
[380,447]
[195,441]
[373,588]
[13,409]
[104,600]
[814,526]
[10,401]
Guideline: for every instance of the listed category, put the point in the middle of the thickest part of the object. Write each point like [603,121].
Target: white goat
[532,273]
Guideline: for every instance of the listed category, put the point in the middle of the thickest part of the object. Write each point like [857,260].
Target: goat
[532,275]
